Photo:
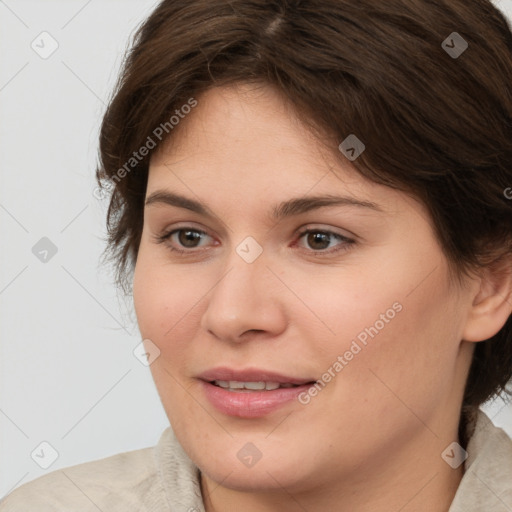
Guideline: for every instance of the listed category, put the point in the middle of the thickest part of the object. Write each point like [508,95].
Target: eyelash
[347,245]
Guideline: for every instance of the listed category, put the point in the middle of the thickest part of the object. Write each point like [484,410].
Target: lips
[250,393]
[251,375]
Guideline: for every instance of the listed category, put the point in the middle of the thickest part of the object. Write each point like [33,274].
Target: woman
[314,201]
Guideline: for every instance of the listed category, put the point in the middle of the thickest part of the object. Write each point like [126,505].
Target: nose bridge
[242,299]
[246,267]
[238,291]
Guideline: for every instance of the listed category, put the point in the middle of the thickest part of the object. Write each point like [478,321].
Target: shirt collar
[487,481]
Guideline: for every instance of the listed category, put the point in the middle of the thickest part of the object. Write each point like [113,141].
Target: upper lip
[250,375]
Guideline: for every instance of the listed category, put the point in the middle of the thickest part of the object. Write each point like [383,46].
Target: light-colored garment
[164,479]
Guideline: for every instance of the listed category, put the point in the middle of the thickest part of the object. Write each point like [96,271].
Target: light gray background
[67,369]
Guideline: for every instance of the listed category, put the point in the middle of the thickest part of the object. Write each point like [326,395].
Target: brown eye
[188,238]
[319,241]
[183,240]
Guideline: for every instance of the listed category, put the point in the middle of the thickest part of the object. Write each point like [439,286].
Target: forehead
[240,134]
[245,145]
[239,116]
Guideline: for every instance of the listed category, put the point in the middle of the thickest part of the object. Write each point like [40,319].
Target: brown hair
[435,124]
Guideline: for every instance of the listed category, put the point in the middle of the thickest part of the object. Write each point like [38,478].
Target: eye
[181,239]
[322,240]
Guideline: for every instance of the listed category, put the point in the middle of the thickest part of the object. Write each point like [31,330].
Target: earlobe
[492,304]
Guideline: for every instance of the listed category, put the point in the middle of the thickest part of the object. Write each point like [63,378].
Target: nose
[246,301]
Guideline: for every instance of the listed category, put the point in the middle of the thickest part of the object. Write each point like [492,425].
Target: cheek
[406,364]
[167,304]
[397,334]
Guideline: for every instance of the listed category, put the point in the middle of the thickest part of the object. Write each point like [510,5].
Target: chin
[260,478]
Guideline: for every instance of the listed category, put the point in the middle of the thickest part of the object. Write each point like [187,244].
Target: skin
[372,438]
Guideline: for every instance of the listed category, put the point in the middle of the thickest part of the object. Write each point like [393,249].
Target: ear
[492,302]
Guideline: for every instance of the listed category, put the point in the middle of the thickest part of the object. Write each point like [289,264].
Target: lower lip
[253,404]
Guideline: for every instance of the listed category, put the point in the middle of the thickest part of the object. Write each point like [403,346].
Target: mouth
[251,378]
[248,387]
[251,393]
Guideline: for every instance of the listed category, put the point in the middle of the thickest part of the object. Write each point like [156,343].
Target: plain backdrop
[69,378]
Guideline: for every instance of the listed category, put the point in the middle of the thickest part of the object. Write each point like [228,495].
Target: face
[266,260]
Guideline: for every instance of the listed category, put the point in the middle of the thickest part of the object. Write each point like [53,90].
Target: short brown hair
[435,124]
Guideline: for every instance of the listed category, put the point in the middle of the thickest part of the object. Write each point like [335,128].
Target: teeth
[253,386]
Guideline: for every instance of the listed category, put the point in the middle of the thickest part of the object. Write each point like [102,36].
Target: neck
[416,480]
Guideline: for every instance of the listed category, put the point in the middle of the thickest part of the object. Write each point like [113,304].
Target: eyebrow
[285,209]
